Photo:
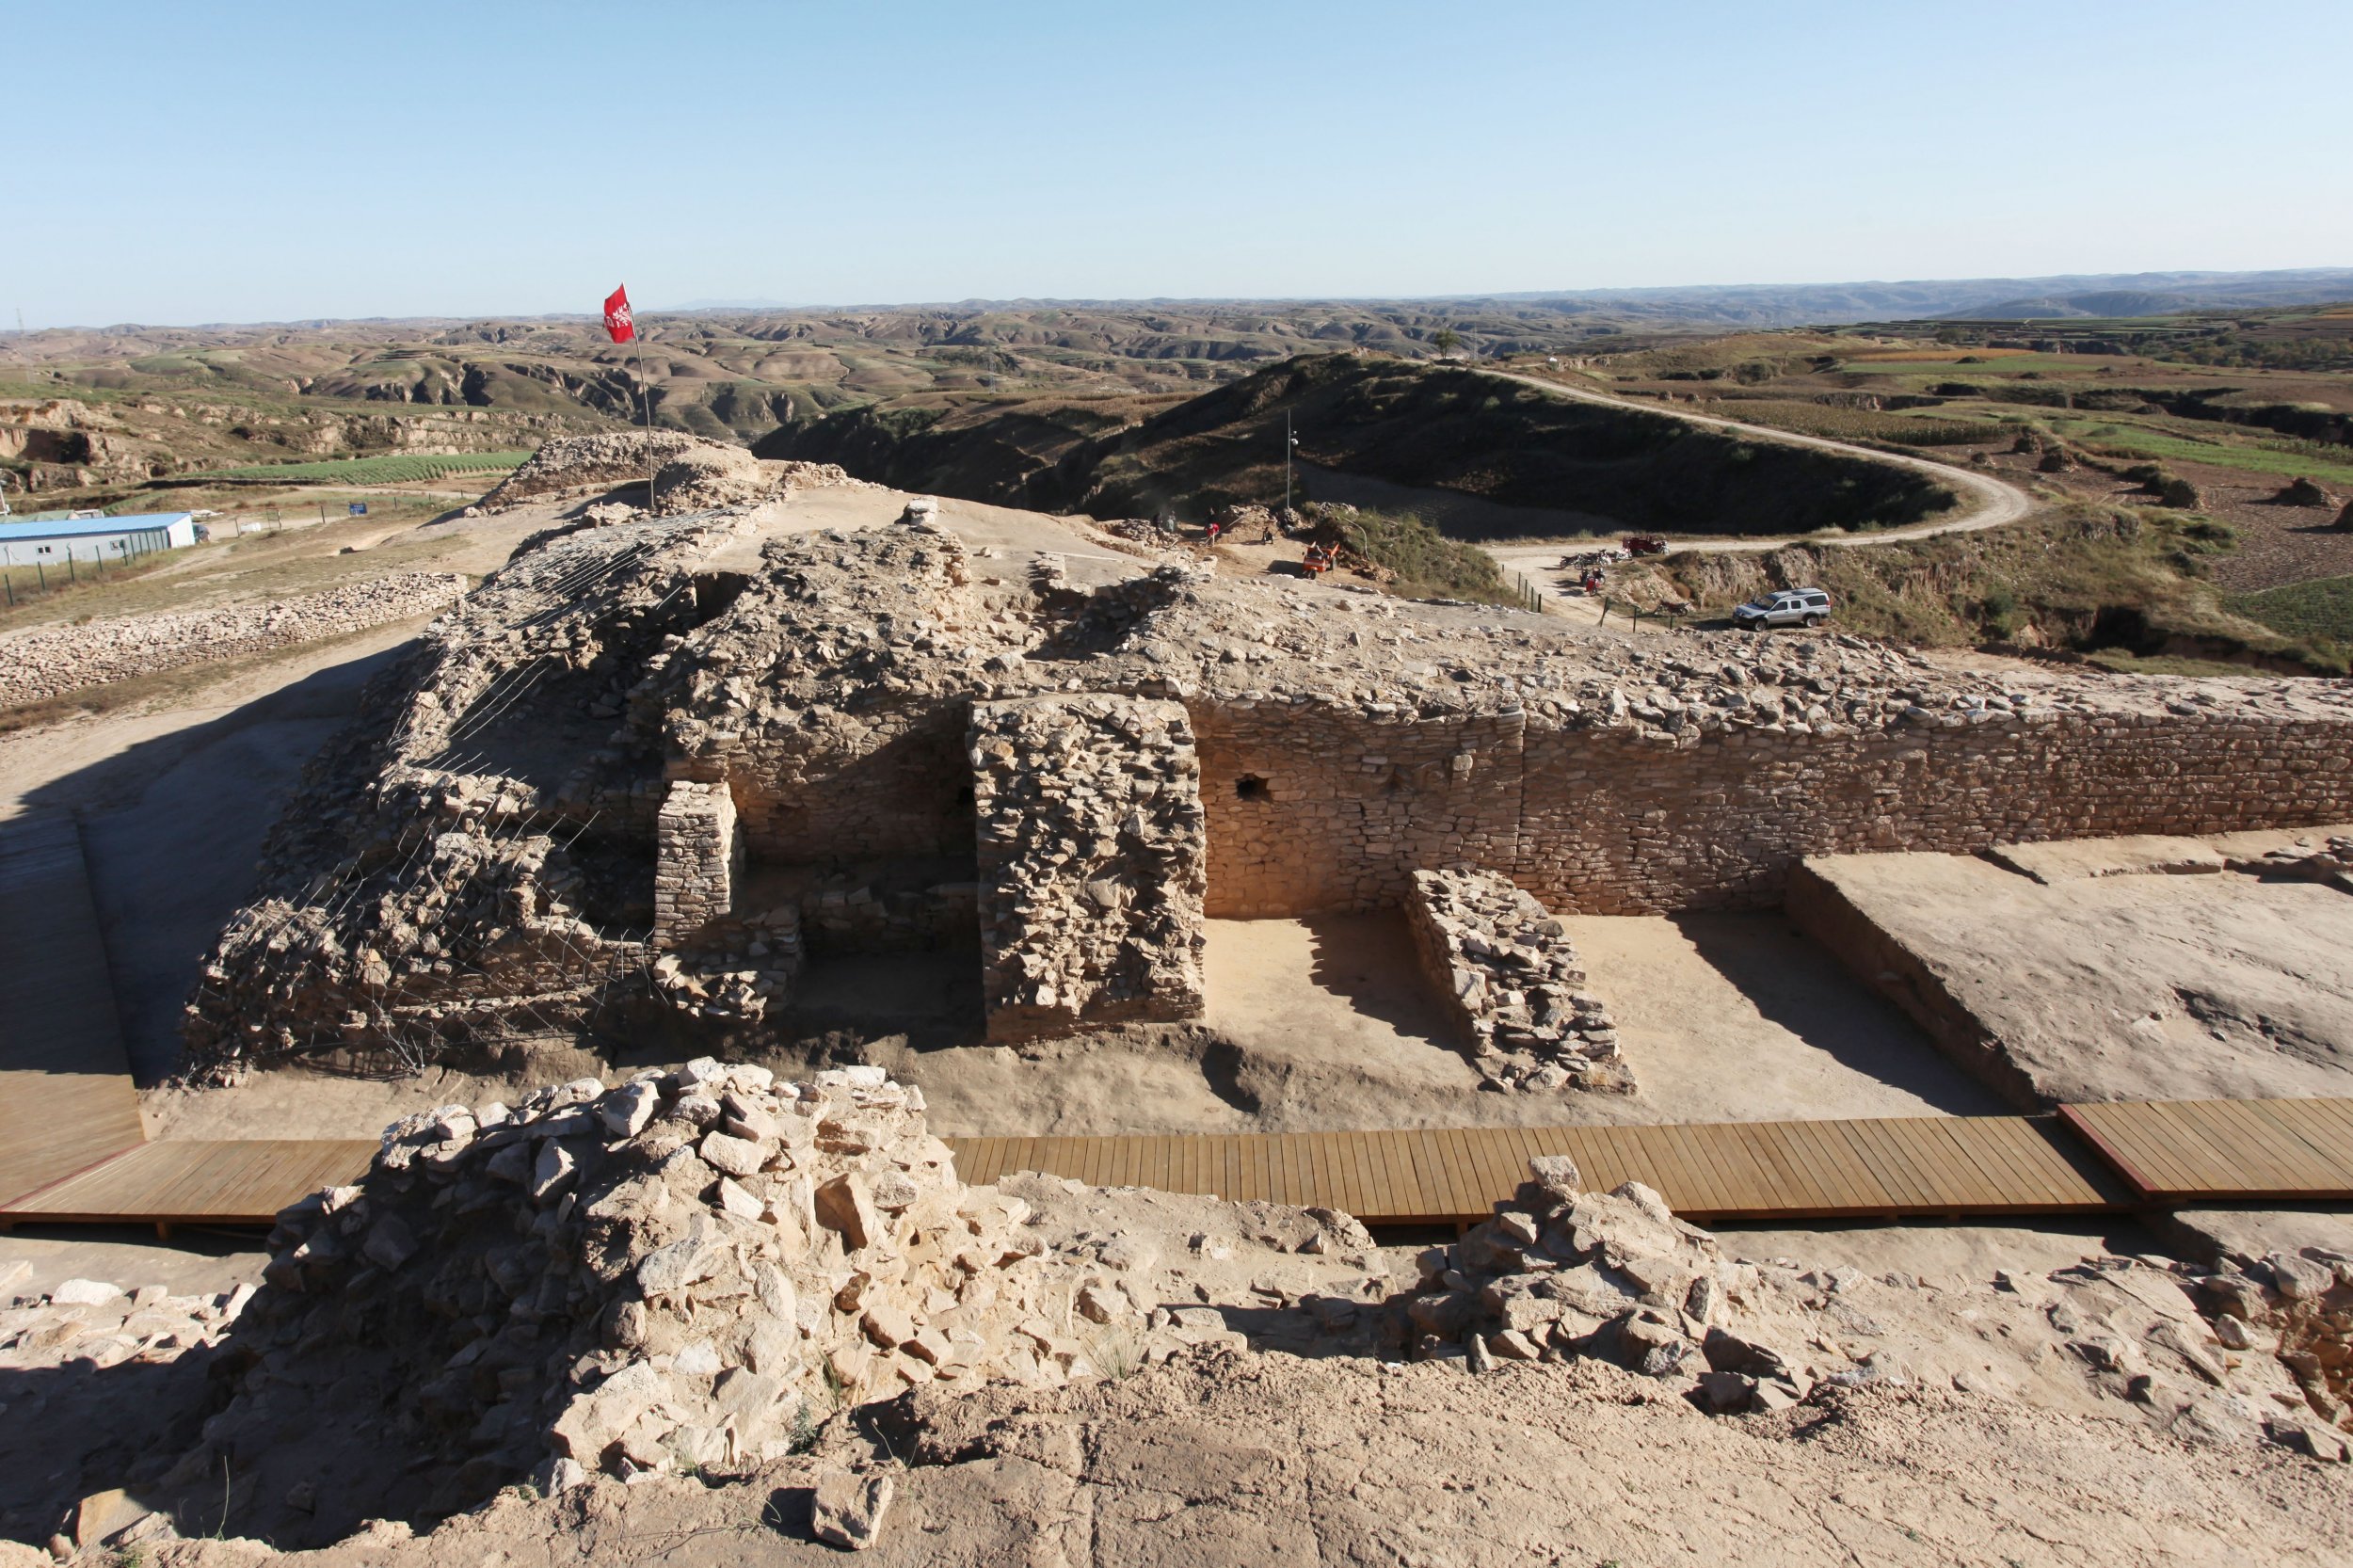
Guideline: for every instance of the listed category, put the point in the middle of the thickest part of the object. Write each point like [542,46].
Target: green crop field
[1856,424]
[372,471]
[2322,608]
[2254,456]
[1991,364]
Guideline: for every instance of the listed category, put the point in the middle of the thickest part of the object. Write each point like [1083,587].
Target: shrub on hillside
[1423,561]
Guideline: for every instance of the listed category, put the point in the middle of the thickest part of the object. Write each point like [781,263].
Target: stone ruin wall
[1092,858]
[698,859]
[1505,970]
[49,661]
[1313,809]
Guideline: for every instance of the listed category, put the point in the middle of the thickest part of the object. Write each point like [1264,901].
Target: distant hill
[1964,298]
[1406,422]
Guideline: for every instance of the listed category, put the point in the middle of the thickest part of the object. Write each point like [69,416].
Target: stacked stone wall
[1313,808]
[698,856]
[875,786]
[1513,982]
[1092,858]
[47,662]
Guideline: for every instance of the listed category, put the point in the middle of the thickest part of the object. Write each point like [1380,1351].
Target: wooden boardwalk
[1925,1166]
[66,1096]
[2090,1159]
[2225,1151]
[196,1181]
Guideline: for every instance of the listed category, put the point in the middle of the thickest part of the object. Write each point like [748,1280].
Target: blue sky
[191,162]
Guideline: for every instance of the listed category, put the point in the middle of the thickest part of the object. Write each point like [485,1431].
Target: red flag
[617,317]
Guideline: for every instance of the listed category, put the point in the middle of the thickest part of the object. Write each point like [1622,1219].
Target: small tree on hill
[1446,340]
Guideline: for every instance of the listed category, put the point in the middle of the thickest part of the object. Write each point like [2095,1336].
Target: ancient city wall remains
[1091,861]
[1314,809]
[47,661]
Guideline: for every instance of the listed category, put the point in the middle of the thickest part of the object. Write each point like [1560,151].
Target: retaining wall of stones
[1513,981]
[1312,808]
[50,660]
[1091,857]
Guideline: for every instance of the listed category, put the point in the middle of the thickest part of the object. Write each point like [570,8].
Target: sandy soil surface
[1740,1018]
[2130,986]
[1316,1024]
[1218,1460]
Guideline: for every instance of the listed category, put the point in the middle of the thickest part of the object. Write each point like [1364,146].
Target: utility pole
[1290,441]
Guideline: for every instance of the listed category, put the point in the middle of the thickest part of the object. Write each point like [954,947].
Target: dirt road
[1986,500]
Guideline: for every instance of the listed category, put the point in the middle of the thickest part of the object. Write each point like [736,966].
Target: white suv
[1789,607]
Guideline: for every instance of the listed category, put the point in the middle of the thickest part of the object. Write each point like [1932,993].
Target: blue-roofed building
[51,543]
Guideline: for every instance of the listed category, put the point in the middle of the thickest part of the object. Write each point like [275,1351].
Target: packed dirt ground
[1196,1381]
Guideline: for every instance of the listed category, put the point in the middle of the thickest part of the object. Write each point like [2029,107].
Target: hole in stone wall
[1250,786]
[714,591]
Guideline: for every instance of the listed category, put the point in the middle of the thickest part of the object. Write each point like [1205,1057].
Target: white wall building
[111,541]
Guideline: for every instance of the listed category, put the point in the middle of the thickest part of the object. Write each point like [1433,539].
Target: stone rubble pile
[570,464]
[2299,1309]
[2330,861]
[1094,861]
[106,1324]
[1510,975]
[714,475]
[686,1271]
[481,930]
[1561,1274]
[44,661]
[688,474]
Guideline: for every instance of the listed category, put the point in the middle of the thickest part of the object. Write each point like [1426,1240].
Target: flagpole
[645,396]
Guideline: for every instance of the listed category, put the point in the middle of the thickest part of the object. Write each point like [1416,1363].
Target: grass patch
[399,470]
[1856,424]
[2116,440]
[1425,563]
[2321,609]
[2096,579]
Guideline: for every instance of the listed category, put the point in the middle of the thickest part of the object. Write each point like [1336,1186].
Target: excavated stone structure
[526,828]
[669,472]
[1513,981]
[1091,859]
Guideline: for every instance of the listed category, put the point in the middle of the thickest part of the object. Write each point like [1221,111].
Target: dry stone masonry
[46,662]
[1512,978]
[828,683]
[1091,855]
[698,856]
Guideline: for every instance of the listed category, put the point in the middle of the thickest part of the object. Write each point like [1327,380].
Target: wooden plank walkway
[66,1098]
[2229,1151]
[1926,1165]
[2089,1159]
[197,1181]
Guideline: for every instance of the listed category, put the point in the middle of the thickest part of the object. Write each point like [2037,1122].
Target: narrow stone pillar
[698,853]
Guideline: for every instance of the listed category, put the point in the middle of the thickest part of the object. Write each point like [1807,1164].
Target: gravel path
[1986,502]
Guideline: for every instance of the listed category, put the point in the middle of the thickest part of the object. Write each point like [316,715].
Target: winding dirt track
[1986,502]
